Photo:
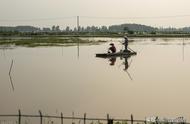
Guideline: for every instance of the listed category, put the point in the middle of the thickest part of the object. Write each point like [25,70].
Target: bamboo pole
[19,116]
[131,119]
[61,118]
[108,118]
[84,118]
[109,121]
[40,117]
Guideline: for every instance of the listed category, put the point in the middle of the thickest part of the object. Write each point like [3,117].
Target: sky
[45,13]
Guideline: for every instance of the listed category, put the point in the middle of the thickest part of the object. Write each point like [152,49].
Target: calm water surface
[59,79]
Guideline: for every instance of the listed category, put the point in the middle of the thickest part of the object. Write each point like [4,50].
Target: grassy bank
[68,40]
[46,41]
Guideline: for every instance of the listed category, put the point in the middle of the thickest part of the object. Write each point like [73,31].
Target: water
[65,79]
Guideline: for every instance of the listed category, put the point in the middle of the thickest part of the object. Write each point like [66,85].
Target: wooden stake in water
[40,116]
[109,121]
[73,115]
[84,118]
[61,118]
[132,119]
[19,116]
[108,118]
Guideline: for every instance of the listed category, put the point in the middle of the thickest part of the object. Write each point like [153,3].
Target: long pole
[131,49]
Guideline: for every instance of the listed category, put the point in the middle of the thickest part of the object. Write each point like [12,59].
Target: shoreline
[35,41]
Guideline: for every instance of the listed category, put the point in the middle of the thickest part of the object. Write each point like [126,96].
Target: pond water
[71,79]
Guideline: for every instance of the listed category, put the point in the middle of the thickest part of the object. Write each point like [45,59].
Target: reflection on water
[12,85]
[127,66]
[112,61]
[10,77]
[52,78]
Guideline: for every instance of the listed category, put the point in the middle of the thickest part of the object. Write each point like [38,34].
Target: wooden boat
[117,54]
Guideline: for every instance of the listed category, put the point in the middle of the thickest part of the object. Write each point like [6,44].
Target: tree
[130,32]
[75,29]
[53,28]
[67,29]
[57,29]
[104,29]
[125,29]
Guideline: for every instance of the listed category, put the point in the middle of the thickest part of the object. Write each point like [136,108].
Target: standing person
[112,49]
[126,43]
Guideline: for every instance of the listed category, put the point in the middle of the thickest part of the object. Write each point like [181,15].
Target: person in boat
[126,44]
[112,49]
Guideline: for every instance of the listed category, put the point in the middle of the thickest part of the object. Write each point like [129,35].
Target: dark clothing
[112,49]
[126,43]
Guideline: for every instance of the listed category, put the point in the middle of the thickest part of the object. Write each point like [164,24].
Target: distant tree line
[113,29]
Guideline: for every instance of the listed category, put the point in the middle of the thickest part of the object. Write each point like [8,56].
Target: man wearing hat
[112,49]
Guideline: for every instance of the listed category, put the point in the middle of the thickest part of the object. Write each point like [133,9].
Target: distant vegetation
[113,30]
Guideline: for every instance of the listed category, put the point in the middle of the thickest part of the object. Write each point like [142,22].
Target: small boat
[117,54]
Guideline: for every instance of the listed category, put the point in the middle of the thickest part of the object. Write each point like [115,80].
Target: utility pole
[78,24]
[78,36]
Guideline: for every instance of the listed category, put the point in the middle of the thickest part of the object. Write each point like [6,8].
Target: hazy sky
[49,12]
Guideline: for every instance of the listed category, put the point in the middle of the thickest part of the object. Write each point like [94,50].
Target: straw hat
[125,37]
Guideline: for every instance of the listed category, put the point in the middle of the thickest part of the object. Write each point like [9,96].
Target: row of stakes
[109,120]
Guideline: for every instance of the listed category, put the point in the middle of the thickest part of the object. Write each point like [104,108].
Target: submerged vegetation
[47,41]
